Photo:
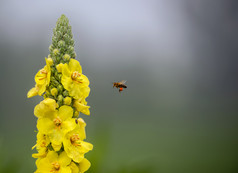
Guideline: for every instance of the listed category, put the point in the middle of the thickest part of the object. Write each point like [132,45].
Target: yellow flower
[54,163]
[81,106]
[42,80]
[74,81]
[57,125]
[46,108]
[73,142]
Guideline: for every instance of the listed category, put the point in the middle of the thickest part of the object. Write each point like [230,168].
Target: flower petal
[45,125]
[65,112]
[84,165]
[74,65]
[64,160]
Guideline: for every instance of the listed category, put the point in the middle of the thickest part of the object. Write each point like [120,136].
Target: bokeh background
[180,60]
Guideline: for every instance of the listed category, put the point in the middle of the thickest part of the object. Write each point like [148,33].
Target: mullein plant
[60,141]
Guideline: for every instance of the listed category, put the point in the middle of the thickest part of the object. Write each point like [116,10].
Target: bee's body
[120,85]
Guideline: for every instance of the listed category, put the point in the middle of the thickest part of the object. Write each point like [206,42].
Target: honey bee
[120,85]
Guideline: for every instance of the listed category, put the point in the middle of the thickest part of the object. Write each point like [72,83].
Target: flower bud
[66,57]
[76,114]
[54,81]
[50,48]
[54,91]
[56,51]
[59,67]
[61,43]
[71,48]
[65,93]
[60,99]
[67,100]
[60,88]
[50,60]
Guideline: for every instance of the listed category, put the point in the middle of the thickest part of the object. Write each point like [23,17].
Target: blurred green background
[180,60]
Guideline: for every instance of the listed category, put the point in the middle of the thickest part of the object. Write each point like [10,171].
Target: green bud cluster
[61,50]
[62,47]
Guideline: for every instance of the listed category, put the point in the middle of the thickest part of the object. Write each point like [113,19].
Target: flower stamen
[75,75]
[75,140]
[57,121]
[56,167]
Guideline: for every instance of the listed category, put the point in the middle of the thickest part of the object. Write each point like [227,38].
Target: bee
[120,85]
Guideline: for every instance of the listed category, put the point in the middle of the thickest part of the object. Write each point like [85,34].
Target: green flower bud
[65,93]
[71,49]
[60,88]
[59,75]
[66,57]
[76,114]
[54,81]
[55,51]
[51,47]
[60,100]
[61,43]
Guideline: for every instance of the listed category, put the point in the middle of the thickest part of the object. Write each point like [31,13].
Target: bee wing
[122,82]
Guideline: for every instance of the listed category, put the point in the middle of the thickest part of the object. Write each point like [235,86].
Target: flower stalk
[61,133]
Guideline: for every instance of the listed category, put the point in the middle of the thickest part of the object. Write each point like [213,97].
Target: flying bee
[120,85]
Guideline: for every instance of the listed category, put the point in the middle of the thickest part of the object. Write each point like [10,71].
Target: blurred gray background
[180,60]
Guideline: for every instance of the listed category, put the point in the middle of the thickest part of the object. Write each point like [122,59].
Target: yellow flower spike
[54,91]
[73,80]
[74,145]
[57,125]
[67,100]
[59,67]
[55,51]
[60,141]
[81,106]
[54,163]
[46,108]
